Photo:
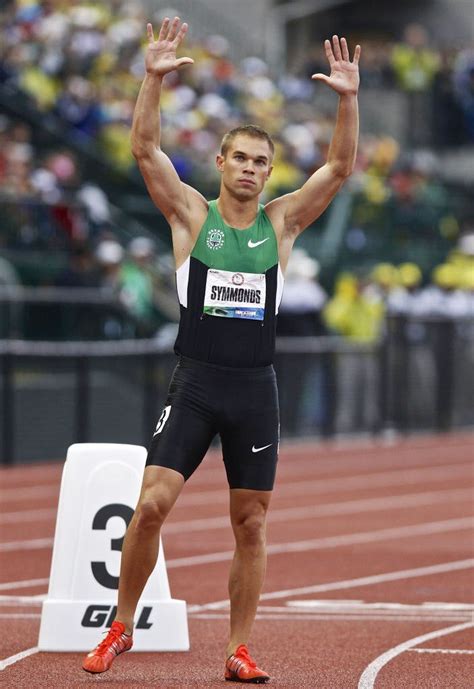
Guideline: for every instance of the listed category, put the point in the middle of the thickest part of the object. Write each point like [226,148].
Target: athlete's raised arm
[174,198]
[295,211]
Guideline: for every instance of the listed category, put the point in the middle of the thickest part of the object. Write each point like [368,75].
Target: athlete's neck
[237,213]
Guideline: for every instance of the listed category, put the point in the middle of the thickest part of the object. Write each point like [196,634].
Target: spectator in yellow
[415,64]
[358,318]
[352,314]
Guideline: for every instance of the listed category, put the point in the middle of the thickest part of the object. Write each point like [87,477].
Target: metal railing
[75,313]
[419,377]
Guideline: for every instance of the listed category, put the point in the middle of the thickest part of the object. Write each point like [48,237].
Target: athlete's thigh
[161,486]
[185,428]
[250,438]
[180,441]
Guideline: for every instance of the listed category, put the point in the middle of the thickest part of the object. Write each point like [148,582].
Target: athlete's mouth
[246,180]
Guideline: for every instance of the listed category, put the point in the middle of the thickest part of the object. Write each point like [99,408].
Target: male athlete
[230,258]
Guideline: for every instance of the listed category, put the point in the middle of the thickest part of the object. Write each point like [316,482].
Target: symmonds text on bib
[235,295]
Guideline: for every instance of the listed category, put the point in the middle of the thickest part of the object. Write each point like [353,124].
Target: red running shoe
[116,642]
[240,667]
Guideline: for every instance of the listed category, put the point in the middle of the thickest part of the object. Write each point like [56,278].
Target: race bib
[235,295]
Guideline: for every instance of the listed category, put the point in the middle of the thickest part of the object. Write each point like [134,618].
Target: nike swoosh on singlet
[252,245]
[259,449]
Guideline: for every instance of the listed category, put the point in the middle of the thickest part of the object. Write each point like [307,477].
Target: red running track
[369,581]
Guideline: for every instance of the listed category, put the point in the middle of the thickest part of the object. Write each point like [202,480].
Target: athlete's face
[246,166]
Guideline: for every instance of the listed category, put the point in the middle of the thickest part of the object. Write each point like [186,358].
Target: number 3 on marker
[99,569]
[162,420]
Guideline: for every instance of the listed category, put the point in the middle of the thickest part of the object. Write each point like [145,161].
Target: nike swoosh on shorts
[259,449]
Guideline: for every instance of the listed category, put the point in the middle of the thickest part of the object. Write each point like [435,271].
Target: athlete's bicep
[306,204]
[293,212]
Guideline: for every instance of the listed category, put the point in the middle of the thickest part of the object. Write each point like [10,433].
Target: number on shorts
[162,420]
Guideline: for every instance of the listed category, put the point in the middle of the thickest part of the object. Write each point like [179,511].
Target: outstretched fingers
[356,55]
[172,33]
[329,53]
[181,34]
[344,50]
[336,48]
[164,29]
[149,33]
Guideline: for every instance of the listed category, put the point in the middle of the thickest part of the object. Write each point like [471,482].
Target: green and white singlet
[229,290]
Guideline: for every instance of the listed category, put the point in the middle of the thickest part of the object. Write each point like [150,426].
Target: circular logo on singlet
[215,239]
[237,279]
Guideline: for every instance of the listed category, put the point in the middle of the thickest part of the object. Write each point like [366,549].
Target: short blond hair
[251,130]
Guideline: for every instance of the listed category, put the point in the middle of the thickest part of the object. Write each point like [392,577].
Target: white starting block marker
[99,490]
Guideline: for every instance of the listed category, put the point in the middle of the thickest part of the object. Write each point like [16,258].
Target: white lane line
[330,509]
[398,477]
[278,515]
[371,613]
[368,677]
[338,456]
[327,616]
[20,516]
[460,651]
[33,544]
[363,607]
[381,605]
[18,601]
[324,485]
[18,656]
[23,584]
[334,541]
[355,447]
[289,547]
[430,570]
[288,514]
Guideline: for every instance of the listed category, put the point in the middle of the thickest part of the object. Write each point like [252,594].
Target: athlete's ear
[270,170]
[220,162]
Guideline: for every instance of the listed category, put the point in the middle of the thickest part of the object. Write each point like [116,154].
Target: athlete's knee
[249,527]
[150,514]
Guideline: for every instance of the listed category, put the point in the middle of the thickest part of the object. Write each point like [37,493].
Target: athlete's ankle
[126,623]
[233,646]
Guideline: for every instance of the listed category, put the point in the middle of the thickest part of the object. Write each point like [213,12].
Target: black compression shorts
[241,405]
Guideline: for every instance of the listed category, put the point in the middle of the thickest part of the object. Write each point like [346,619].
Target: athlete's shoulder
[278,205]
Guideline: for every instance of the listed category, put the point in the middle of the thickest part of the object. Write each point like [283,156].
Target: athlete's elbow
[342,169]
[141,148]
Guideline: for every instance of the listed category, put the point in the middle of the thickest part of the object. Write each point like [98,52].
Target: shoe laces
[104,646]
[242,652]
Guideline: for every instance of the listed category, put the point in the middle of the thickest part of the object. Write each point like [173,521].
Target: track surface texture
[369,580]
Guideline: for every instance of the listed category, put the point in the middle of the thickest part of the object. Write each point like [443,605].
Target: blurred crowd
[75,209]
[359,302]
[83,63]
[356,310]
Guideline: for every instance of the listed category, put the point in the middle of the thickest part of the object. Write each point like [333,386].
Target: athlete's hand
[160,56]
[344,77]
